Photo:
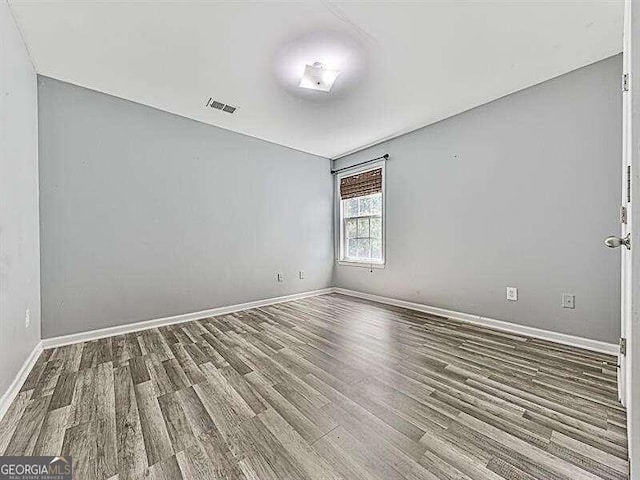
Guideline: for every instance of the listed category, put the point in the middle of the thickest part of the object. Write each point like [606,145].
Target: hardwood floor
[328,387]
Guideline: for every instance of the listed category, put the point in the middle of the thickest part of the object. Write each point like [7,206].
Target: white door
[629,240]
[627,212]
[626,217]
[629,374]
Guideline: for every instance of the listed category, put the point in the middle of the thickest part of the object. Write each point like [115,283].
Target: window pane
[363,227]
[351,207]
[352,227]
[376,228]
[376,204]
[376,249]
[352,248]
[365,205]
[364,248]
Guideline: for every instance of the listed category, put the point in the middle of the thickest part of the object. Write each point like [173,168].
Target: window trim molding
[349,263]
[339,234]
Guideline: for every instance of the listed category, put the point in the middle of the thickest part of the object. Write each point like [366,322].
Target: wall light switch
[280,277]
[301,274]
[568,300]
[512,294]
[27,318]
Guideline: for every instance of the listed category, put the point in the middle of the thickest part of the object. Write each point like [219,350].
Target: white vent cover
[224,107]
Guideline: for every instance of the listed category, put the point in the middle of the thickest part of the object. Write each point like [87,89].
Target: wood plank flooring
[328,387]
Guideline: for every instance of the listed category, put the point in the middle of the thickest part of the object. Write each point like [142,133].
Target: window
[361,198]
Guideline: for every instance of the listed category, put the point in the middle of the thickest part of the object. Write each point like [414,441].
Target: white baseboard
[562,338]
[186,317]
[14,388]
[21,376]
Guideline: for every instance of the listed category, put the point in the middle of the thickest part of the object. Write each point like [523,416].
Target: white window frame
[340,233]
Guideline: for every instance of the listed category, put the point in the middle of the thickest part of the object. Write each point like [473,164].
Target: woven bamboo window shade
[362,184]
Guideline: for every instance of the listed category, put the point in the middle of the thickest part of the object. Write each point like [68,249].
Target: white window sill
[360,264]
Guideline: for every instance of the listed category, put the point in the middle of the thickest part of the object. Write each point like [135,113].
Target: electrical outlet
[280,277]
[27,318]
[512,294]
[568,300]
[301,274]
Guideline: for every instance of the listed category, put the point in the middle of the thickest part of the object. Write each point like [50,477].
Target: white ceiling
[404,64]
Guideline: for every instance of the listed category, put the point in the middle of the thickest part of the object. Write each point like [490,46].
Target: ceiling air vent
[221,106]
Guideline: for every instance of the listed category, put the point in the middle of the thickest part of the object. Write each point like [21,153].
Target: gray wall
[518,192]
[19,246]
[145,214]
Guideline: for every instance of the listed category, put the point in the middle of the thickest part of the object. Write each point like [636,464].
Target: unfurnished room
[319,239]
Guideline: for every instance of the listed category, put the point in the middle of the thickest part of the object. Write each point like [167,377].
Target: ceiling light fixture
[318,77]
